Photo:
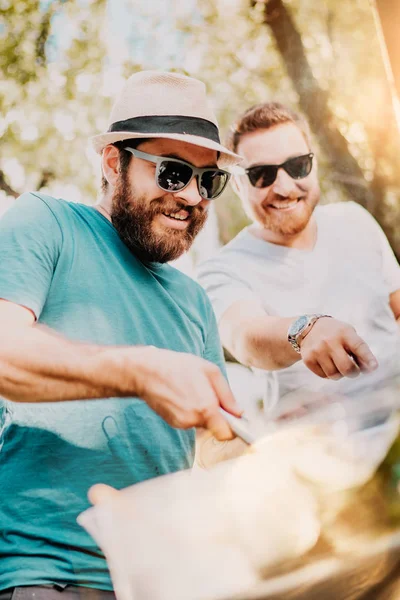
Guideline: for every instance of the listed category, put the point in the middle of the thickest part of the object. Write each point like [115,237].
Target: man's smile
[178,220]
[181,215]
[286,205]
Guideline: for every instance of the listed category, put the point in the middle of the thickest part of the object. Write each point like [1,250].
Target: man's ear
[110,164]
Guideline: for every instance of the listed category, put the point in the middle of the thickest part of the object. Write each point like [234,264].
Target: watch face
[298,325]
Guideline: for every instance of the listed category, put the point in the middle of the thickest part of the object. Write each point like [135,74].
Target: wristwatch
[300,327]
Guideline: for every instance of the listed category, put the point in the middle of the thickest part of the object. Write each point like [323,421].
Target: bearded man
[306,293]
[109,357]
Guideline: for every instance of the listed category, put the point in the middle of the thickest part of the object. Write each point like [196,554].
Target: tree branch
[6,187]
[44,32]
[46,177]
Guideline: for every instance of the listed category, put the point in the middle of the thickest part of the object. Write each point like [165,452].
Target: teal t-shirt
[67,264]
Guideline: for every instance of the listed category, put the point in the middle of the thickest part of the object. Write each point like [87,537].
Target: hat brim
[226,158]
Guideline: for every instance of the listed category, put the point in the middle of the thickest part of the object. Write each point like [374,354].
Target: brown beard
[288,225]
[133,215]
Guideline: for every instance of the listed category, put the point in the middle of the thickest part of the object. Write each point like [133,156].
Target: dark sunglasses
[262,176]
[173,175]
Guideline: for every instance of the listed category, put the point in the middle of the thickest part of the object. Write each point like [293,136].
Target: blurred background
[63,61]
[336,61]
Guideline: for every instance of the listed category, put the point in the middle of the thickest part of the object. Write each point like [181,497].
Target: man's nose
[283,185]
[191,193]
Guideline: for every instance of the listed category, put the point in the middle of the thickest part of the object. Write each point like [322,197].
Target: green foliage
[55,59]
[49,95]
[241,64]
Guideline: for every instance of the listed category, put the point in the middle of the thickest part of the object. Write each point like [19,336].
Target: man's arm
[256,339]
[37,365]
[331,349]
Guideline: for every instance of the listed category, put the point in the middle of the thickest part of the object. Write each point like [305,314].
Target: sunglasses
[173,175]
[262,176]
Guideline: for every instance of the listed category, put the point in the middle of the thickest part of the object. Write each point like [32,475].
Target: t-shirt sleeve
[363,222]
[223,285]
[390,266]
[213,347]
[30,243]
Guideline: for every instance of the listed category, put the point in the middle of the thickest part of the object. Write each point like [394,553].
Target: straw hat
[157,104]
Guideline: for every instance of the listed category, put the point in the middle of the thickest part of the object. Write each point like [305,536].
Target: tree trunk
[313,101]
[389,16]
[4,185]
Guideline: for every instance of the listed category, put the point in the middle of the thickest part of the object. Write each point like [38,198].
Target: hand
[333,349]
[186,391]
[100,493]
[209,452]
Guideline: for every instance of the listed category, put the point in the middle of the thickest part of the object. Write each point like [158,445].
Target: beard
[132,216]
[291,225]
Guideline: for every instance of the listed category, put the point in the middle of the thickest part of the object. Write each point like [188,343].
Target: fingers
[219,427]
[335,366]
[224,394]
[329,367]
[314,366]
[190,393]
[345,363]
[216,423]
[333,350]
[101,493]
[363,355]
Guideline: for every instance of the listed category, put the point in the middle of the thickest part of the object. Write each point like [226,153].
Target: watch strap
[296,340]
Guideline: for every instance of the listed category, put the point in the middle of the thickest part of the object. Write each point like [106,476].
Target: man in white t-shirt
[273,285]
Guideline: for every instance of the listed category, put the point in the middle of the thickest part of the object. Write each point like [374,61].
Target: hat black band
[168,124]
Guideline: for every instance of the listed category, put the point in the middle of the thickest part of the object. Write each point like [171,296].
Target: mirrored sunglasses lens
[262,176]
[212,184]
[299,167]
[173,176]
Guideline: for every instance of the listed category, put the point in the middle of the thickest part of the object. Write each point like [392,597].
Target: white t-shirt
[349,274]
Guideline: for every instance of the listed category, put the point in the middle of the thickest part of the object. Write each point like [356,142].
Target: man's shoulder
[37,201]
[241,241]
[34,211]
[345,210]
[350,219]
[225,257]
[241,244]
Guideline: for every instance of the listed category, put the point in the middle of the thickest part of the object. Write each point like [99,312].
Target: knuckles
[186,419]
[348,368]
[310,362]
[317,346]
[211,369]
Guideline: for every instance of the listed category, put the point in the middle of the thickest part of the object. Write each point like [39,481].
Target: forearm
[37,365]
[262,343]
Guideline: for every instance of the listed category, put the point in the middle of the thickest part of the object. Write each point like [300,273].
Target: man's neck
[104,206]
[304,240]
